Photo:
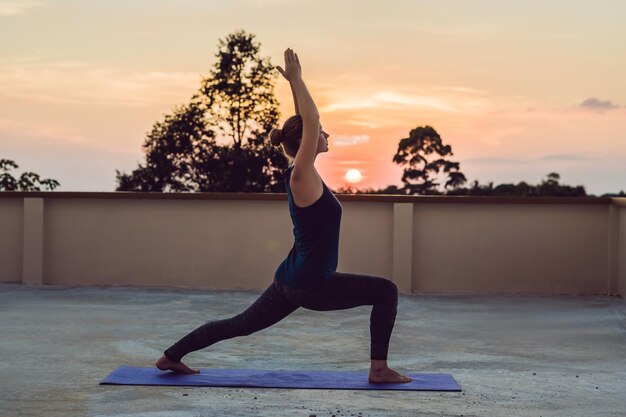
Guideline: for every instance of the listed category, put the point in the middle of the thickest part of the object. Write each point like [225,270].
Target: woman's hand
[292,70]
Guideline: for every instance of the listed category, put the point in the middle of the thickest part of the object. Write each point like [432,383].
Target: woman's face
[322,145]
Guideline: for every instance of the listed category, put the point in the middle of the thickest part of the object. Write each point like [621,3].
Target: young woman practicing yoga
[307,277]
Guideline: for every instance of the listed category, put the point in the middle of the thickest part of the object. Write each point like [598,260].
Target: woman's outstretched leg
[341,291]
[268,309]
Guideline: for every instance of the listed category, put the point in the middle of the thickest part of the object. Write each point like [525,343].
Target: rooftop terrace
[512,355]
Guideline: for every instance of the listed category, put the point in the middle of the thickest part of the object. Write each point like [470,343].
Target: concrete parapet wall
[235,241]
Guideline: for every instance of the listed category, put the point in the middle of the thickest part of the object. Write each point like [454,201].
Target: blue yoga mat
[128,375]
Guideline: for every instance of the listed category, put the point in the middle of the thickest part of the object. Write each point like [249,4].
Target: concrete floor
[512,355]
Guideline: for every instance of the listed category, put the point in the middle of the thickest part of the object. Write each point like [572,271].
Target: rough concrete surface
[513,355]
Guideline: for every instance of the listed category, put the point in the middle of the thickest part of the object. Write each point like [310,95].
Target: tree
[241,104]
[620,194]
[549,187]
[389,189]
[413,151]
[180,155]
[235,103]
[28,181]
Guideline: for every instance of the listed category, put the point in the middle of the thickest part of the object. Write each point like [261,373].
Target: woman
[307,277]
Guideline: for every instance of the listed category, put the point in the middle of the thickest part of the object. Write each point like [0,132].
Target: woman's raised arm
[305,157]
[295,99]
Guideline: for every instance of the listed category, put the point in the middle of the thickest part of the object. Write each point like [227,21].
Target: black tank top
[315,251]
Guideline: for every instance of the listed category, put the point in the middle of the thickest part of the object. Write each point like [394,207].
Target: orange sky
[518,89]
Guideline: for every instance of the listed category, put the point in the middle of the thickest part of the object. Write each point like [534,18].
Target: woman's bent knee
[391,291]
[391,287]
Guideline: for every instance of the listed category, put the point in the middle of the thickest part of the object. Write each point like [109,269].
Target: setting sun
[353,176]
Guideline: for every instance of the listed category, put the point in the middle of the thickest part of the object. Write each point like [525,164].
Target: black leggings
[338,291]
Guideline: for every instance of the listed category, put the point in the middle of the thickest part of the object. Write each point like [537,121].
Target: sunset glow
[517,89]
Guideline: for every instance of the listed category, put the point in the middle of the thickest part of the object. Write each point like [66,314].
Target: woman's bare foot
[380,373]
[387,375]
[164,364]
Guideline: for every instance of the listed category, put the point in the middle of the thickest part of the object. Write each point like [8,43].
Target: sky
[518,89]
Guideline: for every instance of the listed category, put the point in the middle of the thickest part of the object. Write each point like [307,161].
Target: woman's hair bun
[276,136]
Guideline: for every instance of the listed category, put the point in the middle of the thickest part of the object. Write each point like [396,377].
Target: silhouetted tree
[620,194]
[549,187]
[236,102]
[28,181]
[390,189]
[181,155]
[522,189]
[241,103]
[414,150]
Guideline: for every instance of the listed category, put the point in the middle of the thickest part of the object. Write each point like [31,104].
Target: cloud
[494,161]
[520,161]
[479,32]
[387,99]
[370,125]
[6,122]
[74,82]
[458,89]
[567,157]
[593,103]
[17,7]
[373,102]
[353,162]
[391,97]
[350,140]
[42,132]
[265,3]
[43,135]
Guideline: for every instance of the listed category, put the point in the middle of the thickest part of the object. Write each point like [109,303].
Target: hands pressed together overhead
[293,70]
